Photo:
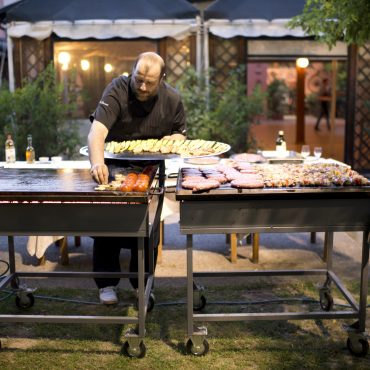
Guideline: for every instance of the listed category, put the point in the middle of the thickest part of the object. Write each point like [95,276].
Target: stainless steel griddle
[272,210]
[64,202]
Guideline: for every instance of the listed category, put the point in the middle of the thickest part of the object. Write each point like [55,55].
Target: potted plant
[277,92]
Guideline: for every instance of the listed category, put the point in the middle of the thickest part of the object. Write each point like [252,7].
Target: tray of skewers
[158,149]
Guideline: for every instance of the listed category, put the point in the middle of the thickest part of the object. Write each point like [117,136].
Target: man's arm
[96,138]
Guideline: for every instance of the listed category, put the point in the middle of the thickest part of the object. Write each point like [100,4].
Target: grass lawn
[305,344]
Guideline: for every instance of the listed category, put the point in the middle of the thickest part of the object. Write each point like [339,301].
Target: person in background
[139,106]
[324,98]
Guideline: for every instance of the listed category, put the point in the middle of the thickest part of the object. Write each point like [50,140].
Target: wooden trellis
[179,55]
[225,55]
[30,58]
[358,119]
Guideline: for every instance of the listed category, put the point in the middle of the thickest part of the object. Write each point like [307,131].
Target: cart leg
[189,269]
[329,238]
[141,283]
[364,280]
[160,245]
[326,298]
[357,342]
[11,251]
[325,251]
[134,345]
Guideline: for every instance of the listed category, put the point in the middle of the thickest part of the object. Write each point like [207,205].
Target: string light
[85,64]
[108,67]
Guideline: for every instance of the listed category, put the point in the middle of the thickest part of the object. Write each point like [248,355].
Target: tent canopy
[72,10]
[100,19]
[254,9]
[253,18]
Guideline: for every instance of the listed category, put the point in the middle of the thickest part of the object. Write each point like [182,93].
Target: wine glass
[305,151]
[317,151]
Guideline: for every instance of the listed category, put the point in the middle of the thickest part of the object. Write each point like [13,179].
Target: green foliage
[39,109]
[277,92]
[335,20]
[221,115]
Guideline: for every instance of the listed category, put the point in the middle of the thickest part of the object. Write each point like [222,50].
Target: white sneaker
[108,295]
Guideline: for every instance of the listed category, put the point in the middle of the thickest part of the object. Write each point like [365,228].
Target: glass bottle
[280,144]
[9,149]
[30,151]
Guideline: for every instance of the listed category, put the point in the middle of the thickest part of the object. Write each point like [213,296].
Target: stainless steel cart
[64,202]
[228,210]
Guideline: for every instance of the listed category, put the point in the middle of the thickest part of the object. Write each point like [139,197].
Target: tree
[38,108]
[335,20]
[220,114]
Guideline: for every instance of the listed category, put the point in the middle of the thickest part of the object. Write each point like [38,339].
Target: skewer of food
[132,181]
[255,176]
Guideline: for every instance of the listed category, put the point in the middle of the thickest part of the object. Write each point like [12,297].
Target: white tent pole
[206,51]
[198,66]
[2,62]
[10,63]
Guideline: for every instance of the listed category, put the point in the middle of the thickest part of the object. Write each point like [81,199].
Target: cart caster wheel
[199,350]
[151,303]
[358,348]
[326,301]
[25,301]
[137,352]
[201,303]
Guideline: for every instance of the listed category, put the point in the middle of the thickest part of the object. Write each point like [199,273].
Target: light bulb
[64,57]
[302,62]
[108,67]
[85,64]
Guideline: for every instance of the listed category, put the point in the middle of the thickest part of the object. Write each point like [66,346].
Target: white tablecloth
[47,165]
[37,245]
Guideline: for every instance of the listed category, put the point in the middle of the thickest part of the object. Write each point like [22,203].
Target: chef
[139,106]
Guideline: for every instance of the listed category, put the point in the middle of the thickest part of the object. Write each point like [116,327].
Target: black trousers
[324,112]
[106,258]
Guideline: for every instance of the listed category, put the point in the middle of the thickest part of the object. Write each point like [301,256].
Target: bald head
[150,60]
[147,75]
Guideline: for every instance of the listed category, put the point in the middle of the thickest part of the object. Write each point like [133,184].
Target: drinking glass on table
[317,151]
[305,151]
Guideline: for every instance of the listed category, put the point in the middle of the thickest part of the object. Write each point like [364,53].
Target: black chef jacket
[128,119]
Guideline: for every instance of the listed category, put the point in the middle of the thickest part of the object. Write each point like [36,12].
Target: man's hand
[174,137]
[100,173]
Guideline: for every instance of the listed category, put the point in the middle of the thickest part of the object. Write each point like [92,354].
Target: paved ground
[331,141]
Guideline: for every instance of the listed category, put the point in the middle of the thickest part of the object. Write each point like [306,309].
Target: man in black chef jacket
[140,106]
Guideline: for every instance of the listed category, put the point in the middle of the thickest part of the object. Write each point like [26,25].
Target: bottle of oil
[30,151]
[280,144]
[9,149]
